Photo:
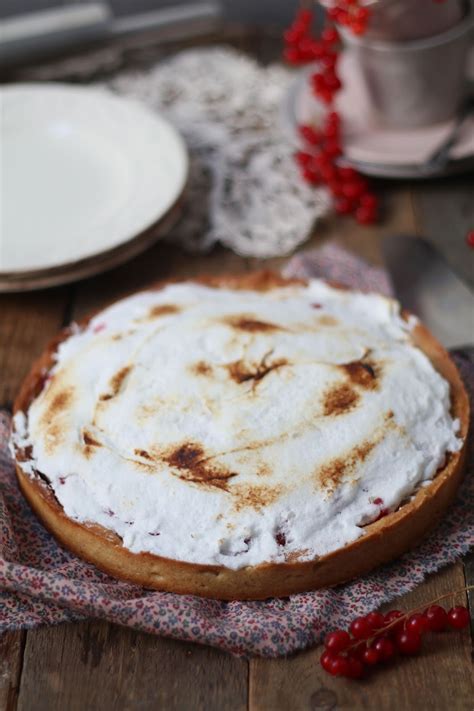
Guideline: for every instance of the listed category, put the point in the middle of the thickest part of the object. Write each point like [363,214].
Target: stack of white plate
[88,180]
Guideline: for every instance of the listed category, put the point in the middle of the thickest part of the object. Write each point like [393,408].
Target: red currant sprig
[318,161]
[376,638]
[319,165]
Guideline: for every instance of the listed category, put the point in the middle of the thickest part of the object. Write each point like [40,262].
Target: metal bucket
[415,83]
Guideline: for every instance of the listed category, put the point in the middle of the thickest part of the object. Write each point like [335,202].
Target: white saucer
[370,146]
[84,173]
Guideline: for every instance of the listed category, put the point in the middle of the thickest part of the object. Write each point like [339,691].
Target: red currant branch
[376,638]
[319,160]
[398,620]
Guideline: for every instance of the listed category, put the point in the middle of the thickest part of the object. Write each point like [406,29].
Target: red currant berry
[331,79]
[321,160]
[305,46]
[337,641]
[310,176]
[326,95]
[384,648]
[343,17]
[329,60]
[303,158]
[370,656]
[292,55]
[408,641]
[326,660]
[317,50]
[317,80]
[391,616]
[331,130]
[358,28]
[458,617]
[332,148]
[437,618]
[330,35]
[339,666]
[360,628]
[335,186]
[375,620]
[369,200]
[417,623]
[368,216]
[347,173]
[329,173]
[470,238]
[294,34]
[353,189]
[309,134]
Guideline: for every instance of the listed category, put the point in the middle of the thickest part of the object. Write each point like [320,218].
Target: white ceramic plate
[83,172]
[370,146]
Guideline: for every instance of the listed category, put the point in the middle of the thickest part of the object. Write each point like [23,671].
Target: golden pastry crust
[383,540]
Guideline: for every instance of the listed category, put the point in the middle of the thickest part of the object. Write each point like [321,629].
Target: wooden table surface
[96,665]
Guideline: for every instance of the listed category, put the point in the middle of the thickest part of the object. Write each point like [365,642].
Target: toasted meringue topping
[232,427]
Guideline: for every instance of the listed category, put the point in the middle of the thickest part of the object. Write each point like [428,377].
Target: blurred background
[263,12]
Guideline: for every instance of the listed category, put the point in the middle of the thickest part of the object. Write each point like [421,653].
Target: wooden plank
[95,665]
[27,322]
[11,659]
[438,679]
[445,214]
[469,579]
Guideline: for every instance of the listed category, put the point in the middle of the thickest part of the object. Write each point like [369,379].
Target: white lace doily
[244,190]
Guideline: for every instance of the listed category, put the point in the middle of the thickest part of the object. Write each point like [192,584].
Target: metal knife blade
[425,285]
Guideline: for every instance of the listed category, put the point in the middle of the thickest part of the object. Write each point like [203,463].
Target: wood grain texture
[438,679]
[95,665]
[27,322]
[469,580]
[11,660]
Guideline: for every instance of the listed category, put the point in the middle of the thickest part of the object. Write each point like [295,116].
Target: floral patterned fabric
[41,583]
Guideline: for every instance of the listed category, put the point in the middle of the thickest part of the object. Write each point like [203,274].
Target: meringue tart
[241,437]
